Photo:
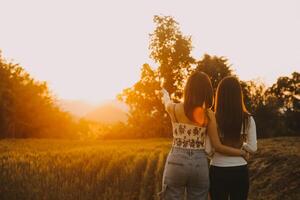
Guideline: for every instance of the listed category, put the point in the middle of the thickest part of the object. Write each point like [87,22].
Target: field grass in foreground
[125,169]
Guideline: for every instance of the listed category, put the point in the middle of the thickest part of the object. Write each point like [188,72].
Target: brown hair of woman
[198,93]
[231,113]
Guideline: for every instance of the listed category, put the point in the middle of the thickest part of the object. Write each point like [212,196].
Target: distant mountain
[110,111]
[76,107]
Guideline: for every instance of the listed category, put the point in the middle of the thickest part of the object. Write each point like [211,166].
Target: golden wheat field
[125,169]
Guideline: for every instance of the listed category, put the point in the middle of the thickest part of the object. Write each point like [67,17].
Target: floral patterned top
[188,136]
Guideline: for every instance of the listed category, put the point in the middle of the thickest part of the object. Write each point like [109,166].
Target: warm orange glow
[91,50]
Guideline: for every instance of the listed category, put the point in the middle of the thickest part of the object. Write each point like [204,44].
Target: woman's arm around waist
[215,140]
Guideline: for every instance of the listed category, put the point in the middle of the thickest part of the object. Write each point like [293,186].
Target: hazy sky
[91,50]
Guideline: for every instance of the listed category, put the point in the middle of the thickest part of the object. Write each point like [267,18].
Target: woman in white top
[229,174]
[186,166]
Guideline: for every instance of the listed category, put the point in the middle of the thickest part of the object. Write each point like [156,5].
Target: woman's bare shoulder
[210,112]
[170,107]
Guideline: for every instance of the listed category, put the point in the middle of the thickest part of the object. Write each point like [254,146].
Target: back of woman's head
[198,92]
[231,114]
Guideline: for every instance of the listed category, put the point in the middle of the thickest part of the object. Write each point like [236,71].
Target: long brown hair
[230,110]
[198,92]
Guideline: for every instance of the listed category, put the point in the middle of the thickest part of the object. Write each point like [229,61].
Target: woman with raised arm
[193,123]
[229,174]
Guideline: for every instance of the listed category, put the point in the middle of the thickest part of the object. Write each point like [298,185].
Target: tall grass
[126,169]
[45,169]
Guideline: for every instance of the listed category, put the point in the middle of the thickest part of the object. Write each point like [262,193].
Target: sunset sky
[91,50]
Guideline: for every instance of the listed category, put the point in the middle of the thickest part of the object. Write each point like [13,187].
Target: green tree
[262,107]
[253,94]
[275,109]
[215,67]
[147,116]
[27,108]
[287,92]
[171,50]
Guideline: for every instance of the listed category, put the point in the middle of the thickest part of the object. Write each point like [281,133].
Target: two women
[194,130]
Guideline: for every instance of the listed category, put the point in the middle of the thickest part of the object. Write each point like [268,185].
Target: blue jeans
[185,170]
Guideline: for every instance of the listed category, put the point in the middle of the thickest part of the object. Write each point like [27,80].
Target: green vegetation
[125,169]
[29,110]
[60,169]
[276,109]
[27,107]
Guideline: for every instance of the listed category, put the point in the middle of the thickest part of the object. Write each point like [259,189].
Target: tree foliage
[275,109]
[286,91]
[147,115]
[171,50]
[215,67]
[27,108]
